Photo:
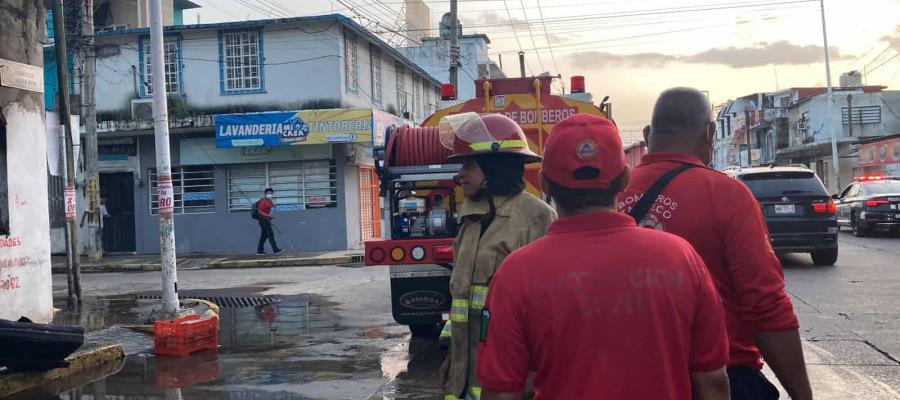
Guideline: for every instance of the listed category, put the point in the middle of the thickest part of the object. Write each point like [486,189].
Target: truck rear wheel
[425,331]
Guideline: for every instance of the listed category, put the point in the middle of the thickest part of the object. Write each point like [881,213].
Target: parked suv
[798,211]
[870,203]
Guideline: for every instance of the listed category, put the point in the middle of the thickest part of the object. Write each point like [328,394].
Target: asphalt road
[344,344]
[850,318]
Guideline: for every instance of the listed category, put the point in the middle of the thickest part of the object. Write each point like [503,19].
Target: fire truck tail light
[397,254]
[824,208]
[376,254]
[443,253]
[417,253]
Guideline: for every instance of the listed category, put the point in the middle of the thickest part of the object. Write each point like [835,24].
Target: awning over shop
[274,129]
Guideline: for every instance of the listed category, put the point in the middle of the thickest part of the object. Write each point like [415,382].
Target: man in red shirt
[720,217]
[599,308]
[265,208]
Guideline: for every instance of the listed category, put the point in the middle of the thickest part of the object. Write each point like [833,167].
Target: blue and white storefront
[318,162]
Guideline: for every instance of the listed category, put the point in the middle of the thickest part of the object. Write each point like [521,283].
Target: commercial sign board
[275,129]
[879,153]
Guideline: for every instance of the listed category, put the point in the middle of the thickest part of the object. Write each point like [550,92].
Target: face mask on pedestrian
[269,196]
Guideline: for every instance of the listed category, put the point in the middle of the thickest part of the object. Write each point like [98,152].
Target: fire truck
[420,198]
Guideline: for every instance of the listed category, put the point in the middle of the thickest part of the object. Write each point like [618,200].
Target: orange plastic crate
[185,335]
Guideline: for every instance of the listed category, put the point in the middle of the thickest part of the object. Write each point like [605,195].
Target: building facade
[791,126]
[293,104]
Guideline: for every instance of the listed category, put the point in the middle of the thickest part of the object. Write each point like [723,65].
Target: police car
[870,203]
[798,211]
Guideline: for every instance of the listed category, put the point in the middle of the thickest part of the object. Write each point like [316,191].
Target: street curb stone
[223,264]
[84,365]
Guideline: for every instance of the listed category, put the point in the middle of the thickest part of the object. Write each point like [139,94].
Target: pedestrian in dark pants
[265,207]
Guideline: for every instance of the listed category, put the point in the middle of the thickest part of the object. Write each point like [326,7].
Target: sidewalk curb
[280,262]
[89,268]
[91,364]
[223,264]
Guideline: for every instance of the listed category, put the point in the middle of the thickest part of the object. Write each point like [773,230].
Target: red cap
[579,141]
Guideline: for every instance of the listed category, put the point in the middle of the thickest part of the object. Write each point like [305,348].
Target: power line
[883,64]
[547,38]
[531,34]
[646,12]
[513,24]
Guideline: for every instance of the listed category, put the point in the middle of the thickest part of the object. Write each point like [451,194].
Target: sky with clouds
[631,50]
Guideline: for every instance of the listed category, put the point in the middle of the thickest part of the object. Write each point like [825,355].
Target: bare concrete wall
[25,284]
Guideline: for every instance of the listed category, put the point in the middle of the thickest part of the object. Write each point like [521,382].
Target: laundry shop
[319,162]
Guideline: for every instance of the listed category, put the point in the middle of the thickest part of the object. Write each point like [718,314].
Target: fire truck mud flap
[420,294]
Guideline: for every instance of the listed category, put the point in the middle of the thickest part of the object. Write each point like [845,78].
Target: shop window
[4,188]
[298,185]
[194,187]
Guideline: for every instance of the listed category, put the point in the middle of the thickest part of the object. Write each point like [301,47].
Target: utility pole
[747,127]
[62,76]
[165,192]
[454,45]
[92,172]
[835,157]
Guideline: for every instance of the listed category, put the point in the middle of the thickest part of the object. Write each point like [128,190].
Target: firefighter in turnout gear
[497,217]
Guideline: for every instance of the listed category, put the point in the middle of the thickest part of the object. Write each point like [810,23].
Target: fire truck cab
[420,199]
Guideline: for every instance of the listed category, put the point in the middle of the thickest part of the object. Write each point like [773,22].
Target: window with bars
[375,62]
[172,57]
[861,115]
[351,62]
[298,185]
[194,188]
[401,88]
[240,59]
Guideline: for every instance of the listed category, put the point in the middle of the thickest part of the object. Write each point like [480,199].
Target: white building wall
[25,283]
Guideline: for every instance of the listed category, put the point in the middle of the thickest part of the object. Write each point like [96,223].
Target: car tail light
[443,253]
[875,203]
[824,208]
[376,254]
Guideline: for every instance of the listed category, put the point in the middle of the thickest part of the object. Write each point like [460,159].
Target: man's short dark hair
[573,200]
[269,190]
[681,110]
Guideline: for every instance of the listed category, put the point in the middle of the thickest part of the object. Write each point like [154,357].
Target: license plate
[784,209]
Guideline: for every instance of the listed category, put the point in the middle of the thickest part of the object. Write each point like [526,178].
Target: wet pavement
[296,348]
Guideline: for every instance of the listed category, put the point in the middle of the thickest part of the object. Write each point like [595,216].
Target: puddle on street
[293,349]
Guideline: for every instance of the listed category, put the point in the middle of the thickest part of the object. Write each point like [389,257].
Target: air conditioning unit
[141,109]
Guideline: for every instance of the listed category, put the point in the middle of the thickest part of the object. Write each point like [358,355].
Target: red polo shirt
[720,217]
[265,208]
[600,308]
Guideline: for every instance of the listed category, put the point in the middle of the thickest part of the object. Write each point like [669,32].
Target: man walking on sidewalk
[265,208]
[720,217]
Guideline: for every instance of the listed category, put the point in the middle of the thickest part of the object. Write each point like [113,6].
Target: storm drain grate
[356,259]
[222,301]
